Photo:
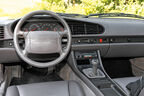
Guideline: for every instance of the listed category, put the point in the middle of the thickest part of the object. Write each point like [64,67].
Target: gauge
[58,27]
[25,29]
[34,27]
[54,27]
[47,27]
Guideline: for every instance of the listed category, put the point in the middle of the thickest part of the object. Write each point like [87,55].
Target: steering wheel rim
[63,53]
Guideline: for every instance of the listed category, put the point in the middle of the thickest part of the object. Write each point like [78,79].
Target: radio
[85,55]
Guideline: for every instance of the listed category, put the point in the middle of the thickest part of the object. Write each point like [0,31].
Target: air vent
[82,28]
[94,29]
[1,32]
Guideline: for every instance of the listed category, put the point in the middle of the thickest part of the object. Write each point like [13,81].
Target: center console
[88,66]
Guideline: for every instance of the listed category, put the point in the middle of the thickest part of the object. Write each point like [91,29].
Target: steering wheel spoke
[24,52]
[63,33]
[61,52]
[22,34]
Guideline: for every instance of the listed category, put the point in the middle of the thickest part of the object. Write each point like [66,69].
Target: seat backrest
[142,92]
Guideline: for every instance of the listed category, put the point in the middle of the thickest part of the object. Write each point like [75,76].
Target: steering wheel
[42,42]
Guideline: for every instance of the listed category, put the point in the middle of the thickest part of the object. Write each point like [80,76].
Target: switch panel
[90,40]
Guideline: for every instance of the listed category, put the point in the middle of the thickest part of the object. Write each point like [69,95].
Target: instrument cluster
[42,26]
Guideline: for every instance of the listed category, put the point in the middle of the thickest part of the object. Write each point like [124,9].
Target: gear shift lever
[94,71]
[95,63]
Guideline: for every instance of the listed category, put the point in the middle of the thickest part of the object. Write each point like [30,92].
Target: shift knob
[95,63]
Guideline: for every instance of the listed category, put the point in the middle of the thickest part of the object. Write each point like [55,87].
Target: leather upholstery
[142,92]
[123,82]
[59,88]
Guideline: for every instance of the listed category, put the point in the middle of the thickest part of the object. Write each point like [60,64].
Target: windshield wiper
[100,15]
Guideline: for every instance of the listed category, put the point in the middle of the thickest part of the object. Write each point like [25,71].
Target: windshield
[12,9]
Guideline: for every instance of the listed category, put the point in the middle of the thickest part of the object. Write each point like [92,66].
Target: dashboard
[42,26]
[114,37]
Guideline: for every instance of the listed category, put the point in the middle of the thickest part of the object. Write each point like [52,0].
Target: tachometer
[34,27]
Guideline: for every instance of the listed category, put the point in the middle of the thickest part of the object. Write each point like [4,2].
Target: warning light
[100,40]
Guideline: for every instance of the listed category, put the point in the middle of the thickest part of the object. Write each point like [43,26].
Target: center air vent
[1,32]
[82,28]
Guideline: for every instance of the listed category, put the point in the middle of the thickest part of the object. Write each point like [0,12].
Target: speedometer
[51,27]
[46,27]
[34,27]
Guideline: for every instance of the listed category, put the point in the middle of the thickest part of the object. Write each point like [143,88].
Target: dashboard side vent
[83,28]
[1,32]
